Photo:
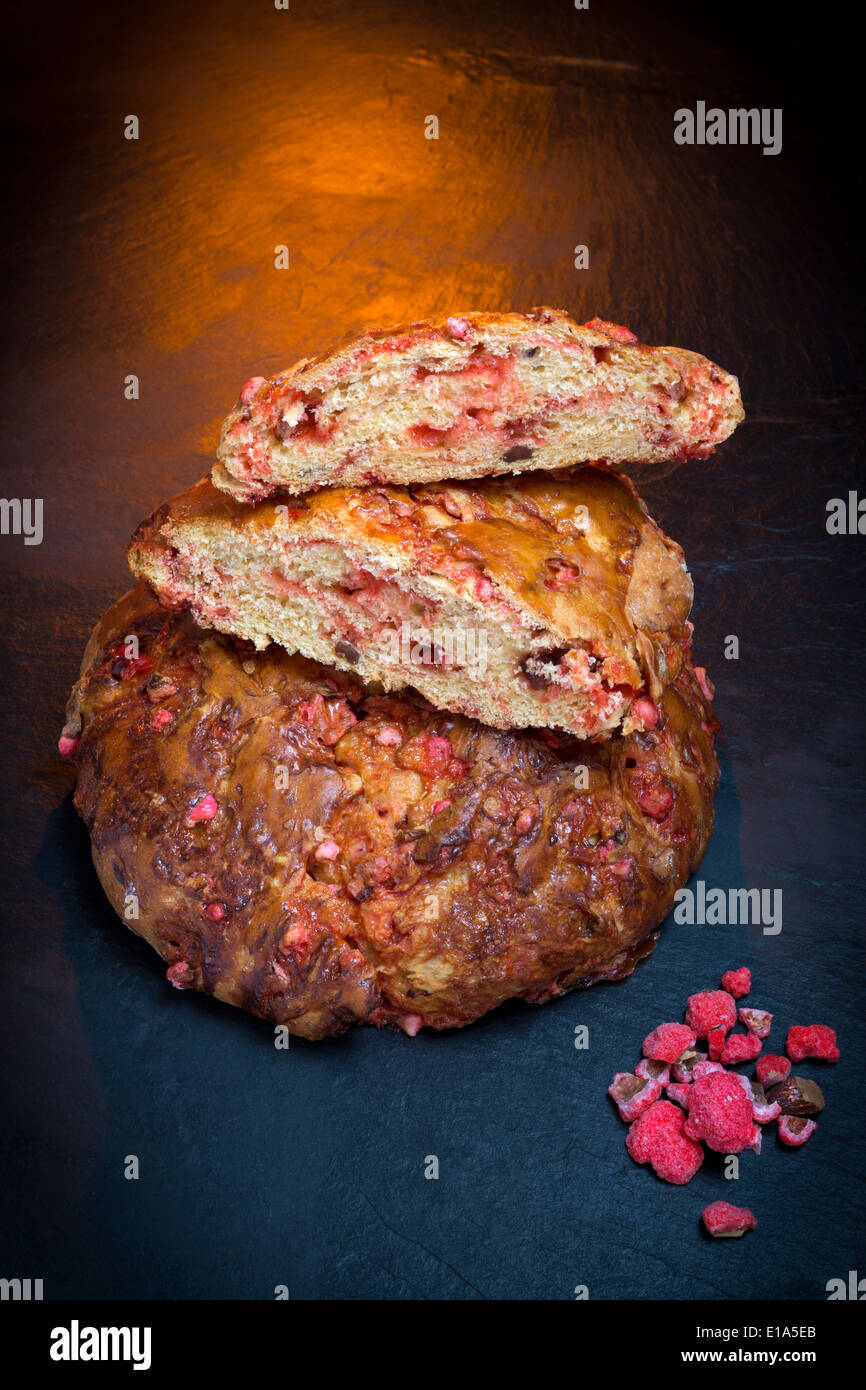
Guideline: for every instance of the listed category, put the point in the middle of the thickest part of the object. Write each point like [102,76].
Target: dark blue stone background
[260,127]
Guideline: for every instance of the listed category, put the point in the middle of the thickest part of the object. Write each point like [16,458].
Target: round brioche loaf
[321,855]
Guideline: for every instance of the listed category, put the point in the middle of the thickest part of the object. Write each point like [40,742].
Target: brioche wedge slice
[544,600]
[472,396]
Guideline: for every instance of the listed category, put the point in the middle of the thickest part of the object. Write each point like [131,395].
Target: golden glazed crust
[469,396]
[543,600]
[322,856]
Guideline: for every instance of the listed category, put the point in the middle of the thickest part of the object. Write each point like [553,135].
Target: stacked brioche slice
[446,746]
[470,396]
[541,600]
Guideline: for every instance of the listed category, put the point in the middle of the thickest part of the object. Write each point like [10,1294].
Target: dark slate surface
[305,127]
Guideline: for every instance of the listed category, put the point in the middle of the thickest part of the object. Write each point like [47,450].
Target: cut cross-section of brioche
[546,600]
[471,396]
